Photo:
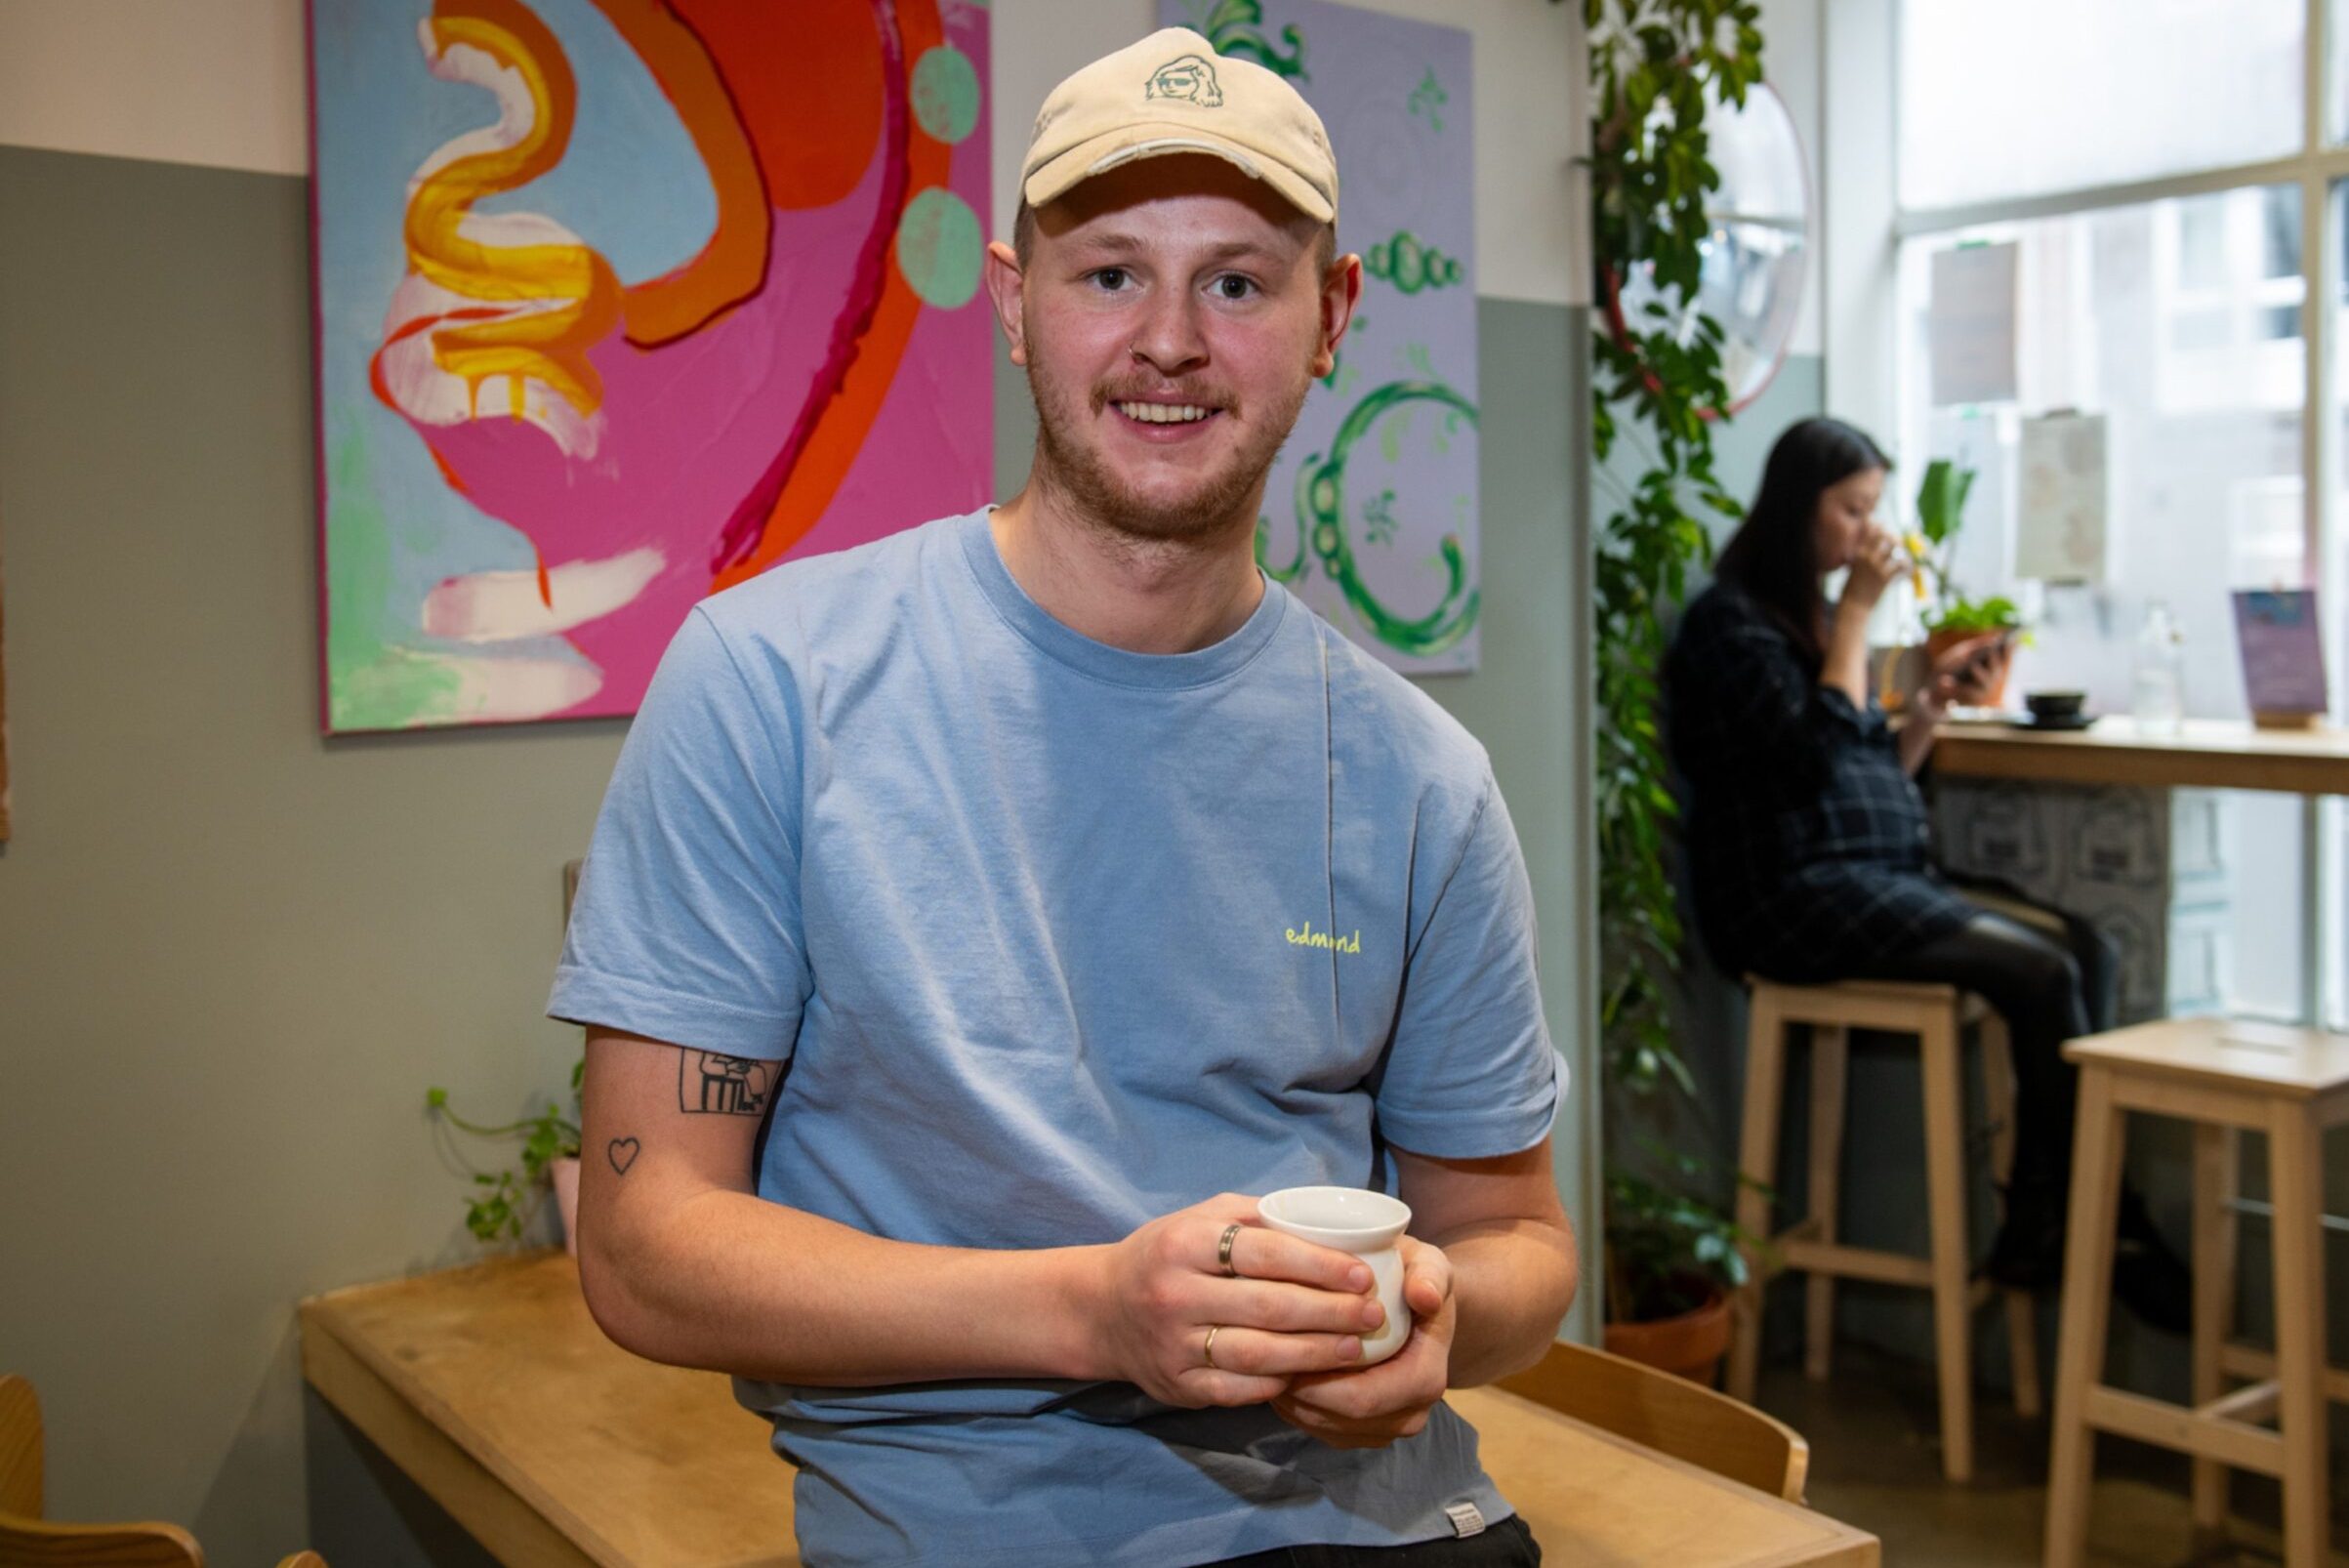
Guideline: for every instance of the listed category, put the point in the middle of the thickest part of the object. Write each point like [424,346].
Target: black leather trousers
[2048,991]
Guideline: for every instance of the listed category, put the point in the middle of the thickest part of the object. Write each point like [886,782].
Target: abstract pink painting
[621,302]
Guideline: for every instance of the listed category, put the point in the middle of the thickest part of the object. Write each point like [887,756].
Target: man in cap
[1083,884]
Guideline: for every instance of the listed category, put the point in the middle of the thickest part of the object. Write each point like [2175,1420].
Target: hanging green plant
[505,1201]
[1656,68]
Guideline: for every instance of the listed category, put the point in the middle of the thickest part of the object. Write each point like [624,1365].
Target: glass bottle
[2158,693]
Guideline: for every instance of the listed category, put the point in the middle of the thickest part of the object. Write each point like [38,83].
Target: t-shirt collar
[1164,672]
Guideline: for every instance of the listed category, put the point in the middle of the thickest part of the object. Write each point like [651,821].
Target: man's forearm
[1511,1283]
[733,1283]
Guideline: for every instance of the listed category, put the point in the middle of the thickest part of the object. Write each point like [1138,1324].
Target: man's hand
[1293,1308]
[1371,1406]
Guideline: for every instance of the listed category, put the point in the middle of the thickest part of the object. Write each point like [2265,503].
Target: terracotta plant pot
[1690,1346]
[1938,643]
[566,1201]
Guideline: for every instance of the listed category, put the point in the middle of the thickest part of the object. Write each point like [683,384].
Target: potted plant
[1672,1263]
[507,1200]
[1950,616]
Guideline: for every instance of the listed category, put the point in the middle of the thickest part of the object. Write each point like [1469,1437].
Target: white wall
[1858,123]
[1791,40]
[214,82]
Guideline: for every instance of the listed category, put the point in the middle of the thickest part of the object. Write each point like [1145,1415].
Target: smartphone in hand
[1975,675]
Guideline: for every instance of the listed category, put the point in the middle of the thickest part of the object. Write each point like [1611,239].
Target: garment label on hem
[1465,1517]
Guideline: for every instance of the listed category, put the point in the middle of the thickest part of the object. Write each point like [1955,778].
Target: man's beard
[1094,493]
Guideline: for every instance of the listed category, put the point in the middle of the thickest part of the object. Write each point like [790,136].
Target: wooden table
[2205,753]
[494,1390]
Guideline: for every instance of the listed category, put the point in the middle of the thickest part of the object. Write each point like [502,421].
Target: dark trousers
[1507,1543]
[2049,990]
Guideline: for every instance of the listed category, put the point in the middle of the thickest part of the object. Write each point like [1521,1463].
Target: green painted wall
[232,954]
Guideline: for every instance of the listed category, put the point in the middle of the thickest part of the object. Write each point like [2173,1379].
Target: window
[2149,162]
[2160,318]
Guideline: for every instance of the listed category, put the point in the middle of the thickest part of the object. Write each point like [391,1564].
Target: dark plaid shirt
[1809,847]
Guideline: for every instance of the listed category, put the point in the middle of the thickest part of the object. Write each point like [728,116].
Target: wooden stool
[2223,1075]
[1934,1014]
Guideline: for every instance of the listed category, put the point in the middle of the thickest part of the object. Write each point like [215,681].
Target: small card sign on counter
[2283,656]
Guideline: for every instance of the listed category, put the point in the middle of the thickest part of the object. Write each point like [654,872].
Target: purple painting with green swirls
[1371,513]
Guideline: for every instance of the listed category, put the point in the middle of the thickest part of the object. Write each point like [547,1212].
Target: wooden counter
[2206,754]
[495,1390]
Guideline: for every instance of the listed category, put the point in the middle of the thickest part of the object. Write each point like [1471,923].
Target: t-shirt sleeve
[686,923]
[1471,1072]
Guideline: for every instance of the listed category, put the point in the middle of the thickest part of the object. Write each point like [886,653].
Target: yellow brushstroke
[570,294]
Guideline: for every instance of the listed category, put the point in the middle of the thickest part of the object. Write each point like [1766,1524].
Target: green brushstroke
[1321,512]
[941,248]
[1411,264]
[946,94]
[1236,28]
[372,682]
[1390,438]
[1428,98]
[1295,569]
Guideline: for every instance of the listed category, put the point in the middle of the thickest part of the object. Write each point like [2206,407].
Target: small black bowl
[2054,707]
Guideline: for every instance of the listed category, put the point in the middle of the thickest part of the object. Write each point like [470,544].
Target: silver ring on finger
[1208,1349]
[1223,1251]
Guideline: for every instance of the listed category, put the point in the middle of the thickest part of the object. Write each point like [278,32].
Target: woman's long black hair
[1774,555]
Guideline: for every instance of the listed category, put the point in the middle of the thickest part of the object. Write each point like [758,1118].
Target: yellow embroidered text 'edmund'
[1309,937]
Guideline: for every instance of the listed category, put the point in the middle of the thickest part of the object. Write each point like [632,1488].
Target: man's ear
[1003,277]
[1340,291]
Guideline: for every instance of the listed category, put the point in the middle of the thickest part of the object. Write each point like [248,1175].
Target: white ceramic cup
[1356,1221]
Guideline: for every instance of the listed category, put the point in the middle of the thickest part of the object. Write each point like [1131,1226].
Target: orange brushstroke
[448,474]
[814,112]
[732,266]
[546,589]
[839,434]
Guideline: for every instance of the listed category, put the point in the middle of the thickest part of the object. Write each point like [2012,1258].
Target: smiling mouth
[1164,413]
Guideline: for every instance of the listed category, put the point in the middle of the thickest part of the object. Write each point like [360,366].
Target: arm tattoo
[724,1086]
[622,1152]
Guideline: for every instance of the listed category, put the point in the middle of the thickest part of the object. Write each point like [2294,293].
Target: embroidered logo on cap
[1186,77]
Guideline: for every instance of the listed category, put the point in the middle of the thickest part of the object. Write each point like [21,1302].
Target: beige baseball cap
[1173,93]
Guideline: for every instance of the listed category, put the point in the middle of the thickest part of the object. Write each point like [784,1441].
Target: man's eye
[1112,278]
[1230,286]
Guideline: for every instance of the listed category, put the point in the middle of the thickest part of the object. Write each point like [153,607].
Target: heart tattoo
[622,1152]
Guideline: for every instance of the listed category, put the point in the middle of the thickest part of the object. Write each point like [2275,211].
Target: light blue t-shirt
[1055,938]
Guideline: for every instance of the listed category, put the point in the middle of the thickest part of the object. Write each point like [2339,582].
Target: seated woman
[1809,845]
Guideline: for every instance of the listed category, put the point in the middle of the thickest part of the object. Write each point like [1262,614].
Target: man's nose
[1167,338]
